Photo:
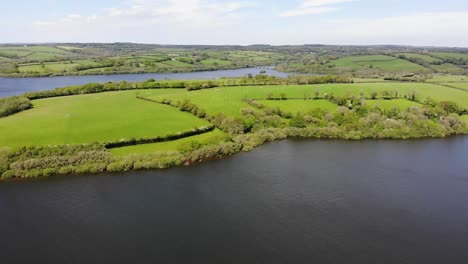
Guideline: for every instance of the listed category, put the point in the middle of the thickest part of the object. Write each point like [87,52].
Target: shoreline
[188,162]
[47,75]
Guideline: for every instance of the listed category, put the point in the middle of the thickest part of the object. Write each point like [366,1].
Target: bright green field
[381,62]
[423,57]
[55,66]
[36,52]
[176,63]
[52,67]
[41,56]
[463,86]
[213,136]
[448,79]
[14,52]
[369,80]
[402,104]
[447,68]
[450,55]
[94,117]
[228,100]
[215,62]
[302,106]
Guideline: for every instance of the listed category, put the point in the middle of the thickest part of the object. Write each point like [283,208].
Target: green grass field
[302,106]
[36,52]
[177,64]
[382,62]
[447,68]
[463,86]
[206,138]
[55,67]
[426,58]
[450,55]
[41,56]
[369,80]
[215,62]
[93,118]
[228,100]
[448,79]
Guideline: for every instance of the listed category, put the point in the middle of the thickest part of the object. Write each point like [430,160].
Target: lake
[17,86]
[291,201]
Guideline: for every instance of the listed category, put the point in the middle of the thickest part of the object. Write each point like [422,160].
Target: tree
[298,121]
[316,93]
[412,95]
[373,95]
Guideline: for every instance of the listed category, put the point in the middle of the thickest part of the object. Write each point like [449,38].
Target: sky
[237,22]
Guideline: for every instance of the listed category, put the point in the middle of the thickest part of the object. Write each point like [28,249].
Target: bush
[12,105]
[298,121]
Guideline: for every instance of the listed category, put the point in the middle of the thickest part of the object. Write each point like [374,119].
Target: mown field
[382,62]
[93,118]
[299,105]
[229,100]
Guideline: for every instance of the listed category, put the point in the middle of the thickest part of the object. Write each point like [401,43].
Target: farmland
[53,60]
[92,118]
[156,128]
[206,138]
[463,86]
[229,100]
[381,62]
[96,58]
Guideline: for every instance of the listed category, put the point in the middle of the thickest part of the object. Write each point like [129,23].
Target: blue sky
[360,22]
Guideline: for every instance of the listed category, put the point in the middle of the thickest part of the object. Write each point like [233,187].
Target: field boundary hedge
[158,139]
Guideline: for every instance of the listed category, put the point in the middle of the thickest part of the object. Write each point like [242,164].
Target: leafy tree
[298,121]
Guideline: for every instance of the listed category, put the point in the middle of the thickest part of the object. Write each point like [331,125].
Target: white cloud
[424,29]
[212,22]
[309,7]
[157,15]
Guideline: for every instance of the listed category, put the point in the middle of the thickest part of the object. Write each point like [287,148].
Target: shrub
[12,105]
[298,121]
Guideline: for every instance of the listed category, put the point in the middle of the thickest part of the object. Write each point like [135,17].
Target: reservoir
[291,201]
[18,86]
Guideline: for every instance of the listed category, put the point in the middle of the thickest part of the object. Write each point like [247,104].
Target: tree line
[189,85]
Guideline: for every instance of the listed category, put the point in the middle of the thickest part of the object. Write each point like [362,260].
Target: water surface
[285,202]
[17,86]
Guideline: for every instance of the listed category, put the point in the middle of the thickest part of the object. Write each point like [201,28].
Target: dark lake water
[17,86]
[285,202]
